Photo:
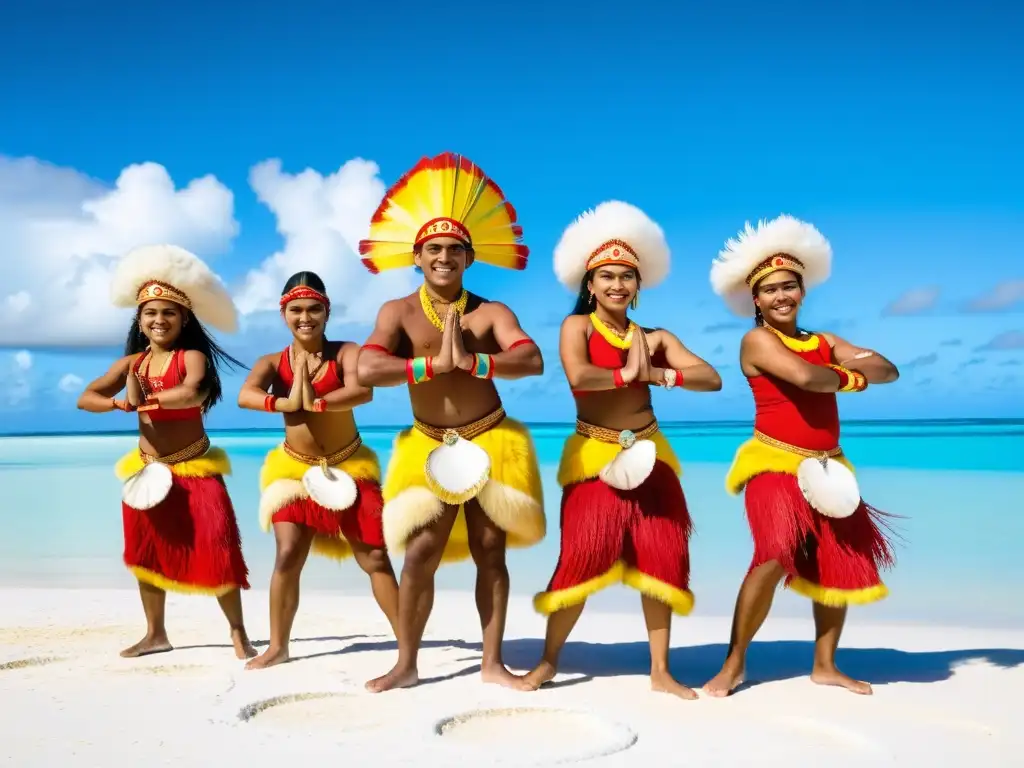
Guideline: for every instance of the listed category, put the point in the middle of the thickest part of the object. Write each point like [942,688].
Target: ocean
[958,485]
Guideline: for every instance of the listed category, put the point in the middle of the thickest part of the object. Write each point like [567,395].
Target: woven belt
[448,435]
[626,437]
[326,461]
[193,451]
[832,453]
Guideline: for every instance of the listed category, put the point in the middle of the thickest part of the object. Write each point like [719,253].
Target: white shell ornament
[330,487]
[457,470]
[829,486]
[147,487]
[633,465]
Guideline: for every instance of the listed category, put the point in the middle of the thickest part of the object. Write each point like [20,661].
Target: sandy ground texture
[947,696]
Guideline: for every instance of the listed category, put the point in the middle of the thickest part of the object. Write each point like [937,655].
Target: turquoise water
[959,485]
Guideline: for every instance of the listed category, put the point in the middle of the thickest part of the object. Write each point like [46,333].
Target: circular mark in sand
[537,735]
[323,712]
[34,661]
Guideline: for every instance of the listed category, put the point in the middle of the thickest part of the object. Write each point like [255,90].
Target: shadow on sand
[695,665]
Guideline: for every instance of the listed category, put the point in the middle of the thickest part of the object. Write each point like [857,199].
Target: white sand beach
[942,696]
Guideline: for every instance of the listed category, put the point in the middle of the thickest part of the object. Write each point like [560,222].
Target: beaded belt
[326,461]
[450,435]
[762,437]
[626,437]
[193,451]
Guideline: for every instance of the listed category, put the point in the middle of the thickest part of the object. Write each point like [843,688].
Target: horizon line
[962,420]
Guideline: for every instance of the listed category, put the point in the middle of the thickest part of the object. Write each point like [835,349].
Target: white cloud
[70,383]
[23,359]
[61,233]
[322,219]
[913,302]
[1005,295]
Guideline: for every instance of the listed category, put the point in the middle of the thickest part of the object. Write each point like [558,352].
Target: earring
[636,300]
[593,298]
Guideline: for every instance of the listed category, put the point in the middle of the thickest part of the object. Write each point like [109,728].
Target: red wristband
[319,405]
[679,377]
[409,375]
[617,378]
[270,404]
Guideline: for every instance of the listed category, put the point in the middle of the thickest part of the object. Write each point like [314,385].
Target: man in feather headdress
[463,480]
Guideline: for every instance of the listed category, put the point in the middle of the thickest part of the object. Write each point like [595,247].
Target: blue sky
[267,133]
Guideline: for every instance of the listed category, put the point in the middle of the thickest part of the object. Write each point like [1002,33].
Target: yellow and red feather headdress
[444,196]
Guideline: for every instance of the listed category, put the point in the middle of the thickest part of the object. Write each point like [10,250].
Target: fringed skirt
[637,537]
[284,499]
[190,541]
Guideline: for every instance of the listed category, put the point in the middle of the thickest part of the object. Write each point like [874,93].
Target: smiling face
[161,321]
[306,318]
[443,261]
[614,287]
[779,296]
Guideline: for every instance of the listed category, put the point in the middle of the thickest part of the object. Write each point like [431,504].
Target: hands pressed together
[638,363]
[302,397]
[453,352]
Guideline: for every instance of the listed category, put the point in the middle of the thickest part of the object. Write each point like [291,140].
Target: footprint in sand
[33,661]
[534,735]
[323,713]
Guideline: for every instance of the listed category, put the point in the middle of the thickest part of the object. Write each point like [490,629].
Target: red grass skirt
[361,523]
[639,537]
[189,542]
[835,561]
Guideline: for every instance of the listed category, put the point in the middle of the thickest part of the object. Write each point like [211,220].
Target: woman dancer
[321,487]
[808,521]
[180,531]
[624,516]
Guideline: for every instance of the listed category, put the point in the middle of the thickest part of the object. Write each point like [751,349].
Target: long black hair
[584,304]
[193,336]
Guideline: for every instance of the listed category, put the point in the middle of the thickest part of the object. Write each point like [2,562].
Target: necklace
[613,337]
[428,307]
[793,343]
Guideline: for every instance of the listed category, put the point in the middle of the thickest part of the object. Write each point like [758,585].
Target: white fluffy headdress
[782,243]
[171,273]
[612,233]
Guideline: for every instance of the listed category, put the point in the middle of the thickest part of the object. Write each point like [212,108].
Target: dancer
[808,521]
[321,487]
[624,516]
[180,531]
[464,479]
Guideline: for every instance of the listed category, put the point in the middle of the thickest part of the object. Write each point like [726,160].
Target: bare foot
[724,683]
[663,682]
[243,648]
[147,645]
[270,657]
[499,675]
[835,677]
[542,673]
[396,678]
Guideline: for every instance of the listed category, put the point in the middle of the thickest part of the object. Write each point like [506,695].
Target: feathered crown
[782,243]
[612,233]
[170,273]
[444,196]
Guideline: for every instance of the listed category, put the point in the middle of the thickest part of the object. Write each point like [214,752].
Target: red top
[330,381]
[809,420]
[172,377]
[604,355]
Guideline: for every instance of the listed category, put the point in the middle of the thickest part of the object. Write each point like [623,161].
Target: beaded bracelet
[850,381]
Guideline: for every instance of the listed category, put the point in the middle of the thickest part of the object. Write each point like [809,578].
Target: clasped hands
[453,352]
[302,396]
[638,363]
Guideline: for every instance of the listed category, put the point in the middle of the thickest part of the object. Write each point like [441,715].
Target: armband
[520,343]
[850,381]
[377,348]
[270,404]
[419,369]
[483,366]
